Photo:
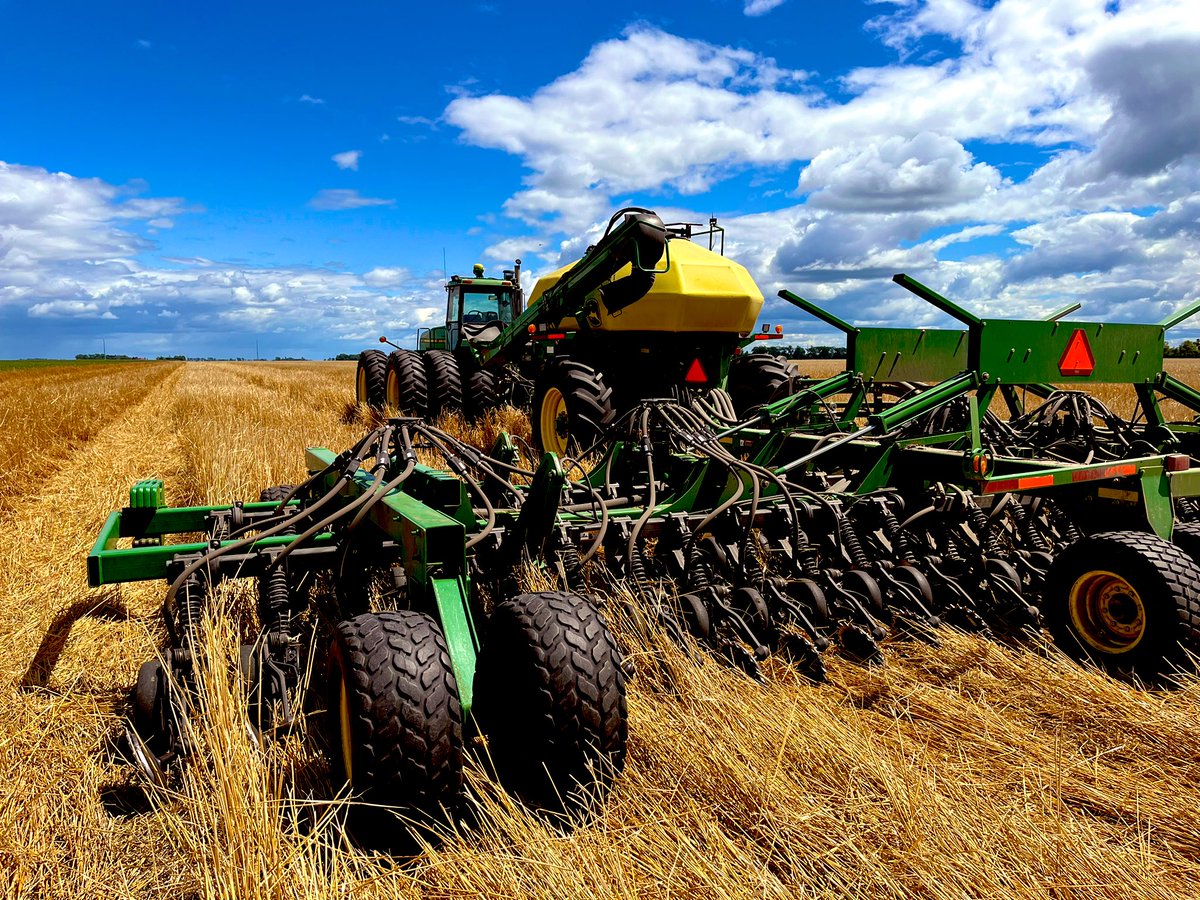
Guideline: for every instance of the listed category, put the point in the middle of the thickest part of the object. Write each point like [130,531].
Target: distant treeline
[1186,350]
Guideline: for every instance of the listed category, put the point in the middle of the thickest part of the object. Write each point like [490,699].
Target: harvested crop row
[45,412]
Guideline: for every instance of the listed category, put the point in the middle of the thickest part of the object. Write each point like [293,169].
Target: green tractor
[645,313]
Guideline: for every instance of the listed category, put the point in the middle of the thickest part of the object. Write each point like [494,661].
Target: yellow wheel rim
[392,390]
[1107,612]
[347,741]
[360,385]
[553,422]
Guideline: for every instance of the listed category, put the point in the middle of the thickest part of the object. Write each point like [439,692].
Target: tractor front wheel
[550,698]
[370,379]
[572,408]
[1128,600]
[396,722]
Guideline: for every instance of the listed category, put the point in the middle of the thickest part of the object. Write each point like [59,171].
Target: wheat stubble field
[972,770]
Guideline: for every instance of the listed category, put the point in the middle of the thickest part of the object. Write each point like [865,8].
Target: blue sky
[195,179]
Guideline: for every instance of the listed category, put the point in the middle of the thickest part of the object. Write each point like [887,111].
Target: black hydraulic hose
[332,517]
[293,516]
[730,460]
[352,464]
[652,496]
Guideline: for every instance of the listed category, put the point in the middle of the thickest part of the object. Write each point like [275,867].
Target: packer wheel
[396,722]
[1128,600]
[550,697]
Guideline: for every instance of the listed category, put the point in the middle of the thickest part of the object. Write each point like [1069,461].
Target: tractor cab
[478,309]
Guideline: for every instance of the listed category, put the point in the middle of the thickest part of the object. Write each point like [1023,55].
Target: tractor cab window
[487,307]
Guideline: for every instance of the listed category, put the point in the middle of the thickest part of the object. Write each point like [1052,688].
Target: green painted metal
[1156,499]
[1024,352]
[933,297]
[907,410]
[813,310]
[907,354]
[461,640]
[109,564]
[433,552]
[147,494]
[622,246]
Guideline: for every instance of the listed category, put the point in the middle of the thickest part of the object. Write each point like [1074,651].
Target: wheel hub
[1107,612]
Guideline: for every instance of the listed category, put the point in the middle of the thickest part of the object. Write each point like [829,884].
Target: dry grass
[963,771]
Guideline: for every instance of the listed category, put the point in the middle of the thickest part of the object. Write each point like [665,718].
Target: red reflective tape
[1000,487]
[1034,481]
[1018,484]
[556,336]
[1100,474]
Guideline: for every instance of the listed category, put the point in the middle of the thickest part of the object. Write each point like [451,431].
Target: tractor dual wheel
[407,388]
[370,379]
[480,393]
[756,379]
[445,382]
[550,698]
[572,408]
[396,722]
[1128,600]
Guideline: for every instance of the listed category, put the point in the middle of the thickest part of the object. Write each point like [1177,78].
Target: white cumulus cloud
[348,159]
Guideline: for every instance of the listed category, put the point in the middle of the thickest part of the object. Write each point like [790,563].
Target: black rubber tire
[405,738]
[756,379]
[445,382]
[589,407]
[275,493]
[370,379]
[550,697]
[147,701]
[480,393]
[1186,537]
[407,389]
[1164,577]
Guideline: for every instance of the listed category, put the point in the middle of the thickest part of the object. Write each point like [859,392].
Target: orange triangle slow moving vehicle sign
[1077,359]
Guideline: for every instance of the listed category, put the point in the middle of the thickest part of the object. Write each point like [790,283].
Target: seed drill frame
[879,503]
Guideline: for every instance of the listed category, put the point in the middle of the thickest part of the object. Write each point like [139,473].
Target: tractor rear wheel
[550,698]
[1128,600]
[396,721]
[445,382]
[407,388]
[480,393]
[370,380]
[572,408]
[756,379]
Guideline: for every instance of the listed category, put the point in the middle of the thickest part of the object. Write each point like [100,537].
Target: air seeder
[647,312]
[877,505]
